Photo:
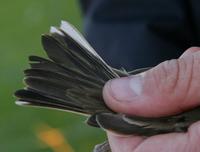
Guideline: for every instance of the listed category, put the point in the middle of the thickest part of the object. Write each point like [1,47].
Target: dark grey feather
[103,147]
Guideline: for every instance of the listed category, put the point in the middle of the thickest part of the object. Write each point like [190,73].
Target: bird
[72,78]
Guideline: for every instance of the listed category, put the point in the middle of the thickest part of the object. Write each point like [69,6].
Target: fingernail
[127,88]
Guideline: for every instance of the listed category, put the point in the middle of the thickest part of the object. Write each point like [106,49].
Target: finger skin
[173,142]
[190,51]
[123,143]
[169,88]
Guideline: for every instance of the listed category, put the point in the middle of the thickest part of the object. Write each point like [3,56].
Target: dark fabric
[140,33]
[85,5]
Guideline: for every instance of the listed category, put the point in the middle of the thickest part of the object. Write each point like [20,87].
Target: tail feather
[71,79]
[67,80]
[62,55]
[27,97]
[69,53]
[75,96]
[47,65]
[33,94]
[92,58]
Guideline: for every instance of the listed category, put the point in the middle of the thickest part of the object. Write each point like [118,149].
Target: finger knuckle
[166,75]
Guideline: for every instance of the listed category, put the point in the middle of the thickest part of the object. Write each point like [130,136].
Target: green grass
[21,24]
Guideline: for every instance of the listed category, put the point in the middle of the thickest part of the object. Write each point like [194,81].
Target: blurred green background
[21,24]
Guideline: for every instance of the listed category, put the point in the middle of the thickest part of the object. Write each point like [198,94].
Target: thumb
[169,88]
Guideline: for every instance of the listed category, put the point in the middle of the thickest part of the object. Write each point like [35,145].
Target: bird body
[72,80]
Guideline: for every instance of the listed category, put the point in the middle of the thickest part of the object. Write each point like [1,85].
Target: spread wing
[70,79]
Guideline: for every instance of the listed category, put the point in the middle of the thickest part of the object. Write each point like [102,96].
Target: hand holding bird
[169,88]
[73,77]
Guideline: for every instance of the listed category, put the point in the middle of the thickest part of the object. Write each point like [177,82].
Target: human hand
[169,88]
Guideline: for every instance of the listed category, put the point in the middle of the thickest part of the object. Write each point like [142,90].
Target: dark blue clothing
[140,33]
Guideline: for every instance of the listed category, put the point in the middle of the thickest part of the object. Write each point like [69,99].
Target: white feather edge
[78,37]
[134,122]
[25,103]
[21,103]
[75,34]
[55,30]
